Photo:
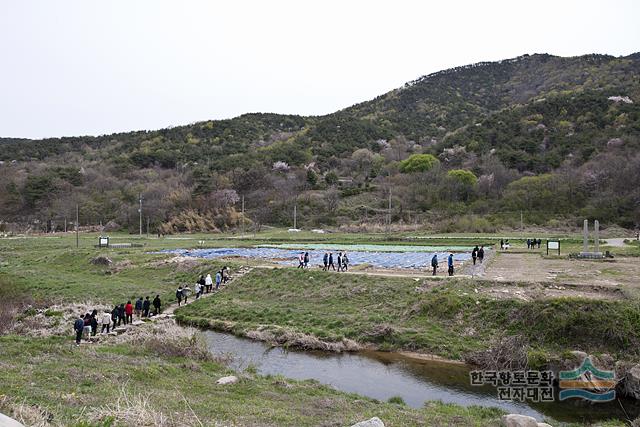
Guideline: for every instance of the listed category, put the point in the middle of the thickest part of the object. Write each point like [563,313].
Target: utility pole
[242,216]
[77,226]
[521,223]
[295,215]
[148,220]
[389,213]
[140,212]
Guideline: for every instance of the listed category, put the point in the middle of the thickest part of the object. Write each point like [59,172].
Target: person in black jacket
[121,317]
[78,326]
[146,305]
[115,314]
[93,322]
[156,305]
[331,265]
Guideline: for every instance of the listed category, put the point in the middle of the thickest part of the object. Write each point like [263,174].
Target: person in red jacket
[128,313]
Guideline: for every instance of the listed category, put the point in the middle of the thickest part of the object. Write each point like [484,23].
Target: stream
[381,375]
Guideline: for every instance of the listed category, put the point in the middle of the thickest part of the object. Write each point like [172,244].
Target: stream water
[381,375]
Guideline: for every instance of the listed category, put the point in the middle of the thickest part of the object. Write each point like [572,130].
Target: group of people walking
[303,260]
[533,243]
[342,262]
[203,285]
[477,254]
[120,314]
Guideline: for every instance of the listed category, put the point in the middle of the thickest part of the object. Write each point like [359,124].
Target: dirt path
[616,243]
[610,277]
[169,310]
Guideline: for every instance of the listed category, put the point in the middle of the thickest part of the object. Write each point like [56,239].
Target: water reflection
[381,375]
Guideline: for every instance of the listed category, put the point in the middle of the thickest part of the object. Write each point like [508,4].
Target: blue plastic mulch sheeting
[376,259]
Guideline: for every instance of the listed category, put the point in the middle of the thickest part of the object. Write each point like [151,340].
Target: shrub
[418,163]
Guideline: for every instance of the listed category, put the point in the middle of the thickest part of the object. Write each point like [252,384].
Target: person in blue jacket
[218,279]
[450,264]
[78,326]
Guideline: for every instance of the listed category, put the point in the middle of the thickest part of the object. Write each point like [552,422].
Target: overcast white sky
[94,67]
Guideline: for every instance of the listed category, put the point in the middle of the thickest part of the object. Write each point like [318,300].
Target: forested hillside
[463,149]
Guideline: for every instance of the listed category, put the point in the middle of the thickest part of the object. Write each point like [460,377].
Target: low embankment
[455,319]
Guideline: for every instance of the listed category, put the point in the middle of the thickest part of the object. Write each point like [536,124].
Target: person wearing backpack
[345,262]
[450,264]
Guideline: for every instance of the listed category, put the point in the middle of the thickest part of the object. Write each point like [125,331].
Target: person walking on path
[115,316]
[128,313]
[474,254]
[121,317]
[450,264]
[203,283]
[208,283]
[93,322]
[78,327]
[87,326]
[156,305]
[434,263]
[197,287]
[331,265]
[225,275]
[528,243]
[339,262]
[179,295]
[218,279]
[325,260]
[481,254]
[146,306]
[501,244]
[301,260]
[185,293]
[106,321]
[306,260]
[345,262]
[138,307]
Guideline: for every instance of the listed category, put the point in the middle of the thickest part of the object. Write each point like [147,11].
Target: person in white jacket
[106,321]
[208,281]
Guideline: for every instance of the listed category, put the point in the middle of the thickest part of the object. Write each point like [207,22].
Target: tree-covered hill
[535,115]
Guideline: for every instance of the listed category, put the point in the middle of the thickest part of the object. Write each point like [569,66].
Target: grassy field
[443,317]
[50,379]
[118,384]
[77,386]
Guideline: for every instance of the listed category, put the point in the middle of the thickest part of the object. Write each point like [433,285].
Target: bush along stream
[453,319]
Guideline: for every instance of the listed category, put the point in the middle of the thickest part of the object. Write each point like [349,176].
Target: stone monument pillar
[585,236]
[596,236]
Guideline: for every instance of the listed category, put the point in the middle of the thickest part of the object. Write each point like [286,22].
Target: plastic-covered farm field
[413,260]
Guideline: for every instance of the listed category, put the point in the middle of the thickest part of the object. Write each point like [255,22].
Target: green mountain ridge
[535,114]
